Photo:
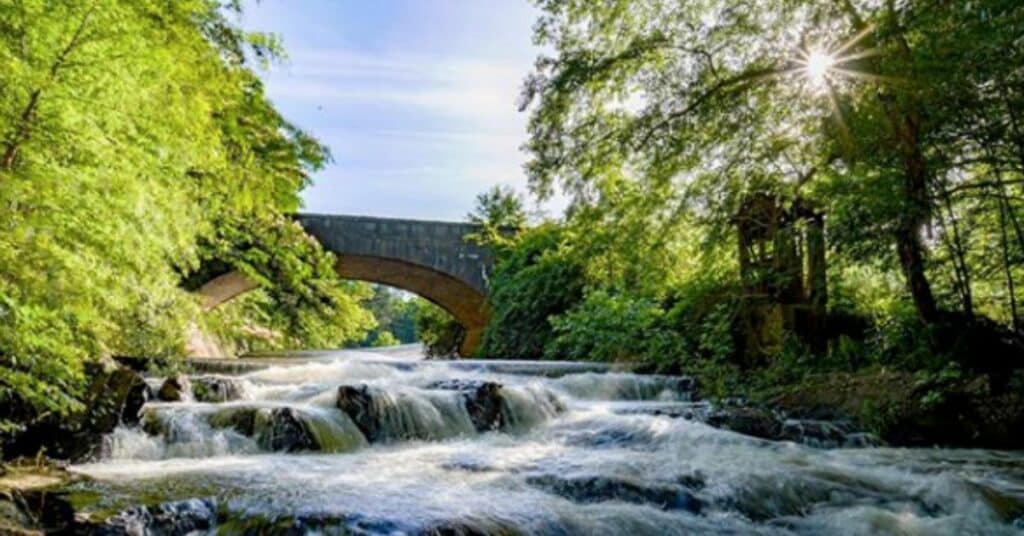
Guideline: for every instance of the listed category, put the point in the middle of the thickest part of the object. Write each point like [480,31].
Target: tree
[136,147]
[715,100]
[498,207]
[395,315]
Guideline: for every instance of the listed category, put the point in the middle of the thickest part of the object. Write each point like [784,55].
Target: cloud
[465,90]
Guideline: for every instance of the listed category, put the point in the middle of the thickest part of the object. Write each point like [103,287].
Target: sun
[817,66]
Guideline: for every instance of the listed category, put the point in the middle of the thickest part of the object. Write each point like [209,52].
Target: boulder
[243,420]
[685,385]
[484,406]
[274,429]
[482,400]
[357,403]
[174,389]
[217,389]
[183,517]
[114,397]
[752,421]
[281,429]
[35,512]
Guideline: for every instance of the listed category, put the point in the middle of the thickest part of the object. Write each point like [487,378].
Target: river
[384,443]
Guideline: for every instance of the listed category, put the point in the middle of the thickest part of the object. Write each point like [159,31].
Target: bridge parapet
[441,246]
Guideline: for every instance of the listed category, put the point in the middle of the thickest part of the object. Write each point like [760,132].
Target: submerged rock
[184,517]
[457,384]
[752,421]
[403,415]
[691,411]
[591,489]
[827,434]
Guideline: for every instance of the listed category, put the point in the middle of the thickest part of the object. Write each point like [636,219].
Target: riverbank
[911,410]
[31,498]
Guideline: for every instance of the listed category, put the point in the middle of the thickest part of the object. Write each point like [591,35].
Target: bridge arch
[431,259]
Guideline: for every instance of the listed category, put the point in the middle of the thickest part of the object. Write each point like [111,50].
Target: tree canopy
[137,148]
[756,180]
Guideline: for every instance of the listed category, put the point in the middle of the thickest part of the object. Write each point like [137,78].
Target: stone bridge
[431,259]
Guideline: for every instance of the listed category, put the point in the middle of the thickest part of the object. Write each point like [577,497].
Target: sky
[417,99]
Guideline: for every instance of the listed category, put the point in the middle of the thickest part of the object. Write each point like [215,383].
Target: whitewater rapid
[360,443]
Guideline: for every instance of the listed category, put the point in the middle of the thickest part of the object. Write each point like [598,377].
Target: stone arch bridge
[428,258]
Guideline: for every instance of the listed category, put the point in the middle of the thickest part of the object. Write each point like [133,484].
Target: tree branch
[24,127]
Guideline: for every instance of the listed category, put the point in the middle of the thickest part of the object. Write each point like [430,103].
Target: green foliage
[386,339]
[440,334]
[532,281]
[698,104]
[42,369]
[395,315]
[500,214]
[605,327]
[658,119]
[136,145]
[302,299]
[498,207]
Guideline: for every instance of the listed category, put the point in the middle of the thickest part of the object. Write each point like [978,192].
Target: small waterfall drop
[364,444]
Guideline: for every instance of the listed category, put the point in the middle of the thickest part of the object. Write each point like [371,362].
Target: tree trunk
[905,122]
[908,233]
[1004,208]
[817,283]
[956,247]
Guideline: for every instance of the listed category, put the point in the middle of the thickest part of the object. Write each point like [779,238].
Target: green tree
[713,100]
[395,315]
[500,214]
[441,334]
[137,145]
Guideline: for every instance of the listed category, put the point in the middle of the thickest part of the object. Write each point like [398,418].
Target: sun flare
[817,67]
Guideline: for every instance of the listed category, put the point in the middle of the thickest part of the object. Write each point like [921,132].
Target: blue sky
[415,98]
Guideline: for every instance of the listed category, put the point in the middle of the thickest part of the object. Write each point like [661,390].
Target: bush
[441,334]
[532,282]
[385,338]
[40,374]
[608,327]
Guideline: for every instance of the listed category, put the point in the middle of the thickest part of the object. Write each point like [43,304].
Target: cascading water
[356,443]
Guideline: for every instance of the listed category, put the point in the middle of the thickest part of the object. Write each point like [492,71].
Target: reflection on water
[371,443]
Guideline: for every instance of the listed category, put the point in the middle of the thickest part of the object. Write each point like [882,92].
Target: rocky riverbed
[360,443]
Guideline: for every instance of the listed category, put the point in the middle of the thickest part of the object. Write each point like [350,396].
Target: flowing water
[361,443]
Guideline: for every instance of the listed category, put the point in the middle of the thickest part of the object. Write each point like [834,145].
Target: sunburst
[821,67]
[817,65]
[824,70]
